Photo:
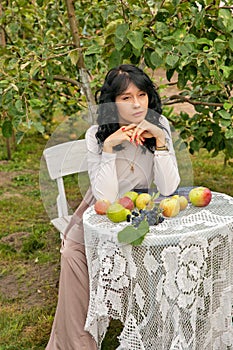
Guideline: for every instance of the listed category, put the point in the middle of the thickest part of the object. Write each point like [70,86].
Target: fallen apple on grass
[101,206]
[200,196]
[170,206]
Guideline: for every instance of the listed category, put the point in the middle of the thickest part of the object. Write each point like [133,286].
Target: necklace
[131,162]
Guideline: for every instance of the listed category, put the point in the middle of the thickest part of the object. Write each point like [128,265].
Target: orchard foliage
[192,39]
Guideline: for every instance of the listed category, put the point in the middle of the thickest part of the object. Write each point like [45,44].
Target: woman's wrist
[161,140]
[107,147]
[159,136]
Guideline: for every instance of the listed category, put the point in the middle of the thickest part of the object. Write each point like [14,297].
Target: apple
[117,213]
[132,195]
[126,202]
[170,206]
[143,200]
[101,206]
[200,196]
[183,201]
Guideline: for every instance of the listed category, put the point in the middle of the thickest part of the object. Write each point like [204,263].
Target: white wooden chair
[62,160]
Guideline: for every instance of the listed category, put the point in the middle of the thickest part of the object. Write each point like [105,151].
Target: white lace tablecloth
[175,291]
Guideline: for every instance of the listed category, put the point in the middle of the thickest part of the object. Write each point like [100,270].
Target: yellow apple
[170,206]
[183,201]
[143,200]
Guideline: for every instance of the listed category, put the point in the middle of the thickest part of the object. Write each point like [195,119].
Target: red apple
[170,206]
[126,202]
[132,195]
[101,206]
[200,196]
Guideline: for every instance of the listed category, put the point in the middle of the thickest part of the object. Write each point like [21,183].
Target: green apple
[200,196]
[117,213]
[143,200]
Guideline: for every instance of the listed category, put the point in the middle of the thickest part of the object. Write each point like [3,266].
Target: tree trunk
[2,33]
[3,43]
[84,76]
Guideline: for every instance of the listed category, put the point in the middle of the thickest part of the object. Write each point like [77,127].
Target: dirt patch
[5,178]
[15,240]
[37,286]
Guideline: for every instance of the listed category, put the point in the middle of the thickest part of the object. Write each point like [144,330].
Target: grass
[29,245]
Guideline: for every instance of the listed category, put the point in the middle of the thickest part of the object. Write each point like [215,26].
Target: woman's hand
[125,133]
[146,130]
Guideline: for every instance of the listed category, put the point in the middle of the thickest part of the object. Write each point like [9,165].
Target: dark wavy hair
[116,82]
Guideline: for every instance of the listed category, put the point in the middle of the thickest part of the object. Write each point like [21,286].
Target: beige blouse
[112,174]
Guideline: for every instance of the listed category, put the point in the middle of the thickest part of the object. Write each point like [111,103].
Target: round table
[175,291]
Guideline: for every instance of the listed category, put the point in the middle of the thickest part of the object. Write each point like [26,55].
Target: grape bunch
[152,216]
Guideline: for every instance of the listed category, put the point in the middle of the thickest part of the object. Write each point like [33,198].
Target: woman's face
[132,105]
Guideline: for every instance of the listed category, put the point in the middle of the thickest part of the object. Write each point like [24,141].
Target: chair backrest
[65,159]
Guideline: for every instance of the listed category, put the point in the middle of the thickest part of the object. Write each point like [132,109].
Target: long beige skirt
[68,327]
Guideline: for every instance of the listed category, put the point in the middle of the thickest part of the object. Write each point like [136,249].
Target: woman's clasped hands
[137,133]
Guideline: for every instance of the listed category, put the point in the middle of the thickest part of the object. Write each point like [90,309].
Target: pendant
[132,167]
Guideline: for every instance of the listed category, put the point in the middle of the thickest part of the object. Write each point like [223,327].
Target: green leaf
[121,31]
[19,136]
[171,60]
[7,128]
[225,122]
[115,59]
[231,43]
[35,103]
[179,34]
[119,44]
[204,41]
[224,114]
[132,235]
[74,57]
[111,27]
[156,59]
[136,39]
[227,105]
[162,15]
[39,127]
[227,71]
[4,83]
[229,133]
[19,106]
[226,18]
[92,49]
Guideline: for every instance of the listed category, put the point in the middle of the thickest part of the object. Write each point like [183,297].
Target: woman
[130,148]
